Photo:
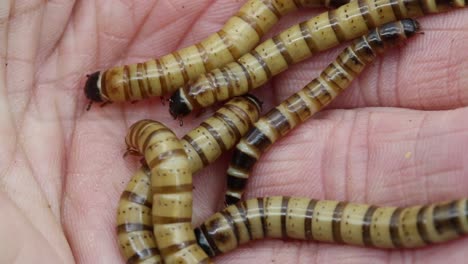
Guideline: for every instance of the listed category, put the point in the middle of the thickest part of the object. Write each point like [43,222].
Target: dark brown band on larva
[142,81]
[229,45]
[311,45]
[257,139]
[152,134]
[396,9]
[135,198]
[161,77]
[213,81]
[421,224]
[204,56]
[366,226]
[228,217]
[296,103]
[132,227]
[241,208]
[180,188]
[209,238]
[364,10]
[272,8]
[238,111]
[262,63]
[215,135]
[308,219]
[166,155]
[127,89]
[394,223]
[336,26]
[176,247]
[232,126]
[196,147]
[247,76]
[261,211]
[227,79]
[282,48]
[252,23]
[284,211]
[142,255]
[445,218]
[278,121]
[167,220]
[336,222]
[182,67]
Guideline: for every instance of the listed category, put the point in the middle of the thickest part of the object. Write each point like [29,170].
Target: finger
[429,72]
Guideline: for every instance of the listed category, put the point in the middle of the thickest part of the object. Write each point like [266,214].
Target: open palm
[401,142]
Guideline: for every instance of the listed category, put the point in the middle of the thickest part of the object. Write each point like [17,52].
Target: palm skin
[401,140]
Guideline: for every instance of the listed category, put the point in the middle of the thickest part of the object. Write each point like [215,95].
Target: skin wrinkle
[415,154]
[60,36]
[137,31]
[348,164]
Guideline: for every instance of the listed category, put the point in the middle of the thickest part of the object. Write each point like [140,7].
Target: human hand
[62,167]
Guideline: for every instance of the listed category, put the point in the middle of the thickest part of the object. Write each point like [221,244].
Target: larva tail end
[411,27]
[91,88]
[230,200]
[203,242]
[178,105]
[255,100]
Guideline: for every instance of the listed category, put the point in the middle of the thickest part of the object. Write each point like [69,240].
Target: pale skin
[61,168]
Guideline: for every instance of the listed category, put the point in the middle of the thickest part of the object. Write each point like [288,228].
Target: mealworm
[162,76]
[220,132]
[171,179]
[134,222]
[332,221]
[312,98]
[295,44]
[203,145]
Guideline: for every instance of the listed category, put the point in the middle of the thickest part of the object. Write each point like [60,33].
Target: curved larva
[295,44]
[220,132]
[171,179]
[162,76]
[332,221]
[134,221]
[203,145]
[312,98]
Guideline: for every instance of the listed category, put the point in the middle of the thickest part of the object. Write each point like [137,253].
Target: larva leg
[312,98]
[296,44]
[203,145]
[162,76]
[172,191]
[334,222]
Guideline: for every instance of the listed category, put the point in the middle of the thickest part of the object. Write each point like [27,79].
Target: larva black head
[203,242]
[255,100]
[91,88]
[178,105]
[229,200]
[411,27]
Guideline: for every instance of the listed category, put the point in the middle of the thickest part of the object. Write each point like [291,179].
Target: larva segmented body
[295,44]
[312,98]
[332,221]
[162,76]
[134,221]
[172,191]
[220,132]
[203,145]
